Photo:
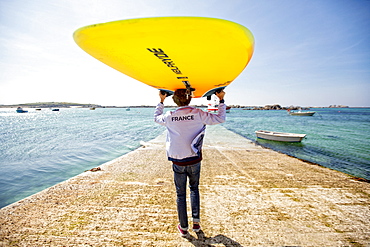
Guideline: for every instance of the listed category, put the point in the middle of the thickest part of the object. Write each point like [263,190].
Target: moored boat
[279,136]
[214,108]
[301,113]
[20,110]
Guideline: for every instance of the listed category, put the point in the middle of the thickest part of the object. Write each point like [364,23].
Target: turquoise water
[338,138]
[42,148]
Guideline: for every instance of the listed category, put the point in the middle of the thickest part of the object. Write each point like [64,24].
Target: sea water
[338,138]
[42,148]
[39,149]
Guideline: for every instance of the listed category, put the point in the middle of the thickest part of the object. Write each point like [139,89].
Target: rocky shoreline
[78,105]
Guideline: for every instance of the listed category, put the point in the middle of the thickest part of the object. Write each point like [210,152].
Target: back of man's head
[181,97]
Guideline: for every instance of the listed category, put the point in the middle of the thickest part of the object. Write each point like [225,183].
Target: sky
[307,52]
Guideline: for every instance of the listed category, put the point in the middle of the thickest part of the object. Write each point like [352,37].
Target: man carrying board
[186,128]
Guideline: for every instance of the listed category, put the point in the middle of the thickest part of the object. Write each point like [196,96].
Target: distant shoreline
[79,105]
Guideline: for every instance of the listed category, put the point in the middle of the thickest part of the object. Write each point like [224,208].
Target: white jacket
[186,128]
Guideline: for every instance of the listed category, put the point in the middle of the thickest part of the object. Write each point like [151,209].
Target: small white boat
[279,136]
[214,108]
[301,113]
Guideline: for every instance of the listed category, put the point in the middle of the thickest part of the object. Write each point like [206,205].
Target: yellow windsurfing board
[169,53]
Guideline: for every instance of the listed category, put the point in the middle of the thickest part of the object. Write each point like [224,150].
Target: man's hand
[162,96]
[220,95]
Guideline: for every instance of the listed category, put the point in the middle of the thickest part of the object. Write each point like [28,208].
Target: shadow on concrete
[202,240]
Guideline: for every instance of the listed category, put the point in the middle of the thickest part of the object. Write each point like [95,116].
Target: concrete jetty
[250,196]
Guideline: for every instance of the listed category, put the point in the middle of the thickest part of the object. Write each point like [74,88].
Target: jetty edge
[250,196]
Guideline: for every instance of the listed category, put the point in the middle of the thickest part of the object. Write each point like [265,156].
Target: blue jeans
[181,173]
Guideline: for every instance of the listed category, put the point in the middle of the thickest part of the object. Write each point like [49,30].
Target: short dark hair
[181,97]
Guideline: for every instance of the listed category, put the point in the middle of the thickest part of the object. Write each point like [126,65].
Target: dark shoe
[196,227]
[183,233]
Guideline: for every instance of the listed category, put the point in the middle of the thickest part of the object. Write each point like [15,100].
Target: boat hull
[279,136]
[309,113]
[20,110]
[215,109]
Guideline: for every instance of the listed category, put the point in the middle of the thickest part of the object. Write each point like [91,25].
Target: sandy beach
[250,196]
